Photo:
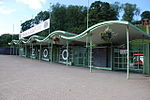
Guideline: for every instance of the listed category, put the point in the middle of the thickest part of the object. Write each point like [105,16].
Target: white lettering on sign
[38,28]
[123,52]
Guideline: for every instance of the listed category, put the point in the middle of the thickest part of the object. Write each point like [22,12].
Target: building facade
[105,45]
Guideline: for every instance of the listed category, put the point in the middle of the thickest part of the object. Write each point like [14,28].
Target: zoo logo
[65,54]
[45,53]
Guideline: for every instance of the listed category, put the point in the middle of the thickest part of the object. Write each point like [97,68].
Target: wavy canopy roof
[118,29]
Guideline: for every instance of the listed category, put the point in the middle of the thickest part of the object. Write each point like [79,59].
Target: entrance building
[106,45]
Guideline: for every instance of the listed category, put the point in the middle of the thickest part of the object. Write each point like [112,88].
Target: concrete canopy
[118,36]
[118,33]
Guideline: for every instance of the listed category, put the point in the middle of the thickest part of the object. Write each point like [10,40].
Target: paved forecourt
[27,79]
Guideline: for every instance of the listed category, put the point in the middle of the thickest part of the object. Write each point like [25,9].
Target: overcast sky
[13,12]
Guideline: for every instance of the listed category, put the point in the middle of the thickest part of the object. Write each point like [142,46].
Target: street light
[87,14]
[50,17]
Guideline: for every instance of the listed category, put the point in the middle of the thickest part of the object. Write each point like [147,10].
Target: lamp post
[50,49]
[87,23]
[50,16]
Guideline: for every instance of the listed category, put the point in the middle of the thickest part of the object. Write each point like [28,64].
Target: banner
[38,28]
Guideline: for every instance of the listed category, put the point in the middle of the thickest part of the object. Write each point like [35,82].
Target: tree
[117,7]
[101,11]
[76,19]
[145,15]
[41,16]
[129,11]
[26,25]
[7,38]
[71,18]
[58,17]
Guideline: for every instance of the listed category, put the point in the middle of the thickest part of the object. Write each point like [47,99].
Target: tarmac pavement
[27,79]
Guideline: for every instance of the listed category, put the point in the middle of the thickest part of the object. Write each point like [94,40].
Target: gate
[80,56]
[120,60]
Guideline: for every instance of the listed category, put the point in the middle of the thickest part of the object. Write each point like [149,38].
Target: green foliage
[41,16]
[138,44]
[7,38]
[117,7]
[102,11]
[143,28]
[58,18]
[106,35]
[129,11]
[145,15]
[73,18]
[26,25]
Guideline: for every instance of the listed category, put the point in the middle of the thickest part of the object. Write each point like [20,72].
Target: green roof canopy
[118,34]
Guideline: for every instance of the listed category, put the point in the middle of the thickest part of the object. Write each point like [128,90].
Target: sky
[15,12]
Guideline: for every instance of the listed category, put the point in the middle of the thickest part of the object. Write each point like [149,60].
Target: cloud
[33,4]
[1,2]
[4,10]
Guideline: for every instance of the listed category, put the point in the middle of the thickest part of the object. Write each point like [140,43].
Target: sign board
[38,28]
[123,52]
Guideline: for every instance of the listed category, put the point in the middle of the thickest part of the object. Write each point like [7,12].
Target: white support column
[90,54]
[87,39]
[19,49]
[51,51]
[68,54]
[111,57]
[25,50]
[40,52]
[128,52]
[87,49]
[32,50]
[13,50]
[16,49]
